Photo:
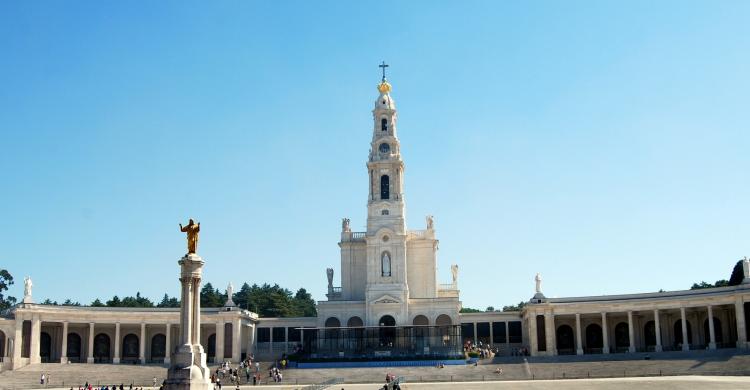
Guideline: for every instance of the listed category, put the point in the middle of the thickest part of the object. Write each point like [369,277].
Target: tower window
[385,264]
[384,212]
[384,124]
[385,187]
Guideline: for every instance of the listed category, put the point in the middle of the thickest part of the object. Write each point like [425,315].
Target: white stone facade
[388,270]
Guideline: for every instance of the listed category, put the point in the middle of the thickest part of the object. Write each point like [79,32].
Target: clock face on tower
[384,148]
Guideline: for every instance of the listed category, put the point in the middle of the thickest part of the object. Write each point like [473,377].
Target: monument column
[168,345]
[579,342]
[90,356]
[219,342]
[631,333]
[188,370]
[116,358]
[657,330]
[739,314]
[142,345]
[685,335]
[36,331]
[605,334]
[64,344]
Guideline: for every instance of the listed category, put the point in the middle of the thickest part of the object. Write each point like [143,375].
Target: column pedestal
[188,370]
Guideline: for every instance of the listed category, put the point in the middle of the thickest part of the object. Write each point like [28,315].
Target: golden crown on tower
[384,87]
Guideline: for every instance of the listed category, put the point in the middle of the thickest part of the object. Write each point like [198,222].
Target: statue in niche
[429,222]
[385,264]
[192,230]
[345,225]
[27,285]
[454,273]
[538,280]
[329,274]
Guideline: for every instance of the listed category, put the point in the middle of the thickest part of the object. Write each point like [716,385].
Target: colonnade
[556,324]
[115,342]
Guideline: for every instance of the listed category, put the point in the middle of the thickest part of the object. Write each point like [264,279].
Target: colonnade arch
[130,347]
[74,347]
[101,347]
[622,335]
[354,322]
[158,346]
[594,339]
[3,341]
[565,340]
[678,340]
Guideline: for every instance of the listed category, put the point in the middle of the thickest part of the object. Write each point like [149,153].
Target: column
[195,332]
[476,338]
[631,333]
[18,342]
[250,339]
[270,344]
[64,346]
[579,342]
[507,337]
[116,358]
[739,314]
[549,332]
[185,318]
[219,343]
[685,335]
[90,356]
[286,339]
[711,334]
[142,346]
[236,337]
[168,345]
[605,334]
[36,331]
[492,335]
[657,329]
[532,334]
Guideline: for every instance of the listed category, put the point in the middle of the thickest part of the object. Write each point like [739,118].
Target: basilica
[388,304]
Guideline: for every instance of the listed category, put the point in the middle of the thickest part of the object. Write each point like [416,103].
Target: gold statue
[192,230]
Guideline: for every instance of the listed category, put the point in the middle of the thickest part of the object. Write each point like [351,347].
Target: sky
[605,145]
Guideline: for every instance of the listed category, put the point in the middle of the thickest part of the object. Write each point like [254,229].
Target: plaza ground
[679,370]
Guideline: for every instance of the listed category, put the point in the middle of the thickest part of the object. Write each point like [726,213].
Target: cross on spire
[383,65]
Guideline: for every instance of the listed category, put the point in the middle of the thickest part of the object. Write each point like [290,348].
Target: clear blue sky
[604,144]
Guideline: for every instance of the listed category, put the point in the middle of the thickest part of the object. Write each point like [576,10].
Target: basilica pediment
[386,299]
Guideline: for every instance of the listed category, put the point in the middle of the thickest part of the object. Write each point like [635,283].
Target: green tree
[49,302]
[97,303]
[114,302]
[304,304]
[737,274]
[517,307]
[490,308]
[701,285]
[6,280]
[211,297]
[469,310]
[68,302]
[169,302]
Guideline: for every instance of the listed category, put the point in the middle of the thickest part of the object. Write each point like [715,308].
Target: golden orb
[384,87]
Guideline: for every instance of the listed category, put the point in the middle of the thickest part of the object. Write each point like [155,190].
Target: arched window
[385,187]
[385,264]
[384,124]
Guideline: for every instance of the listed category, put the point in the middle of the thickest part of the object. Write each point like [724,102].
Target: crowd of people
[250,370]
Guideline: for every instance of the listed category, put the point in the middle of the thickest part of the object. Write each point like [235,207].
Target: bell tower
[387,291]
[385,206]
